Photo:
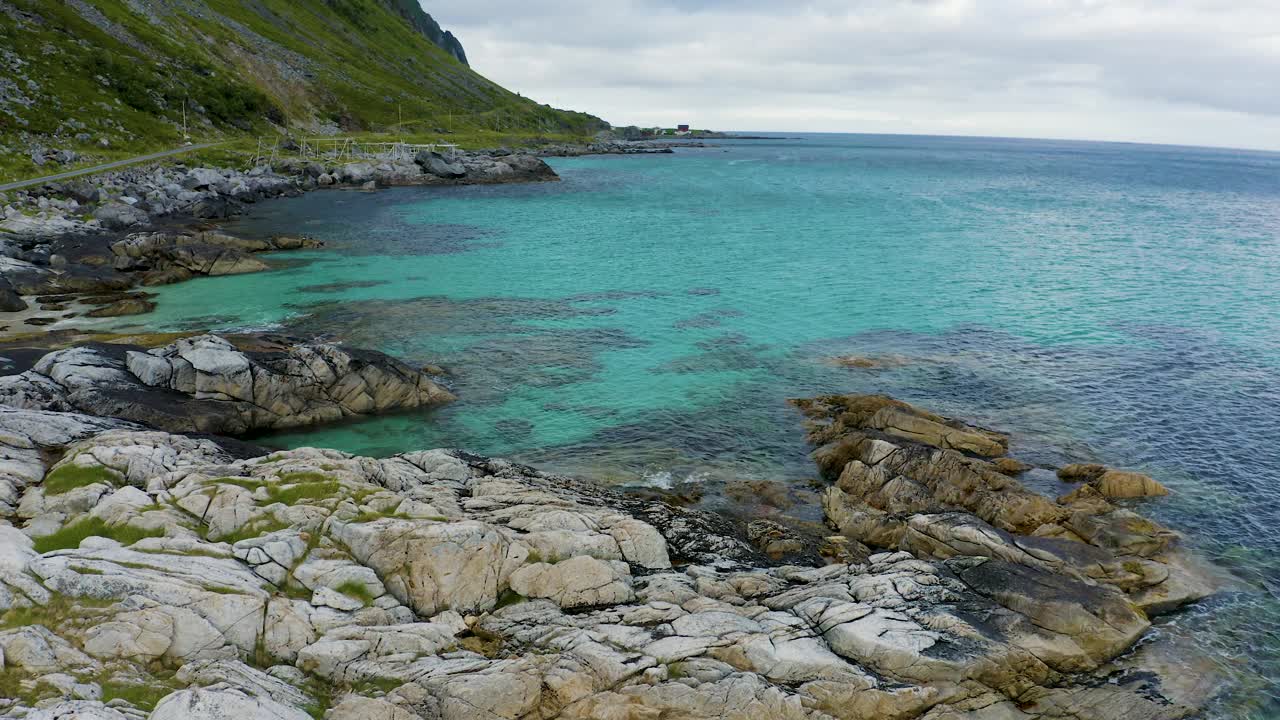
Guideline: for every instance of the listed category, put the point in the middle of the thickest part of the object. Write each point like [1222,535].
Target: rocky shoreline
[154,566]
[146,573]
[81,248]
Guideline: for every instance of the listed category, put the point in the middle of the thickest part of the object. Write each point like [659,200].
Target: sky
[1199,72]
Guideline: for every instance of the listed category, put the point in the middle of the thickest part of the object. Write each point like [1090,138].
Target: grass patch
[255,529]
[378,685]
[294,494]
[356,590]
[69,477]
[72,535]
[484,644]
[295,590]
[508,598]
[249,484]
[185,553]
[143,697]
[60,611]
[371,515]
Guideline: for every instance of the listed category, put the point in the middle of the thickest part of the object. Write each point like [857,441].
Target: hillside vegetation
[84,81]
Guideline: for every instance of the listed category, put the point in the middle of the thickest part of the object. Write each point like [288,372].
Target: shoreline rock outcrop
[907,479]
[207,384]
[440,585]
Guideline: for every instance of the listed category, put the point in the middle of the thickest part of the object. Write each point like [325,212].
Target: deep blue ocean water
[644,321]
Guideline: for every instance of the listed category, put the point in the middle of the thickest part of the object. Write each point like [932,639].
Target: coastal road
[106,166]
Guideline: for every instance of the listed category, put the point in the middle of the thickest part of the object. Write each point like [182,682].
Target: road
[99,168]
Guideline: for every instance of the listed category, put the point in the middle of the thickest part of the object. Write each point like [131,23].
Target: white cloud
[1181,71]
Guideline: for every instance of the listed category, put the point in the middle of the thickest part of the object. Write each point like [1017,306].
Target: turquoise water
[644,320]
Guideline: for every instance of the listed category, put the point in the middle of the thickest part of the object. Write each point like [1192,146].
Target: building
[682,129]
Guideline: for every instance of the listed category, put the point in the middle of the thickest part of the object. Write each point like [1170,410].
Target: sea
[644,321]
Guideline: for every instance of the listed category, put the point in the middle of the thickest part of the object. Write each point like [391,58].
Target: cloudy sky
[1175,71]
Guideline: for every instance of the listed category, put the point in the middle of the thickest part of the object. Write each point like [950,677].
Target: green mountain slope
[108,78]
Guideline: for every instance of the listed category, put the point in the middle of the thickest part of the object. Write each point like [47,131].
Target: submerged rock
[1113,483]
[126,306]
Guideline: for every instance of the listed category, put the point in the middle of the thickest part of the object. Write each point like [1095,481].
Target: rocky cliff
[412,12]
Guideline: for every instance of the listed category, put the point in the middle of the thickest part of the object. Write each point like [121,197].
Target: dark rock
[119,308]
[294,242]
[166,276]
[436,164]
[206,384]
[212,208]
[85,280]
[118,216]
[10,301]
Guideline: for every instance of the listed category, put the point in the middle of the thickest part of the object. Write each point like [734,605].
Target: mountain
[412,12]
[95,79]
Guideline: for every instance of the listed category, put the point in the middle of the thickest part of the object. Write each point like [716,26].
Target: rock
[205,384]
[10,301]
[1009,466]
[355,173]
[918,487]
[127,306]
[354,707]
[117,216]
[167,276]
[78,710]
[446,585]
[212,208]
[1113,483]
[220,703]
[577,582]
[294,242]
[436,164]
[773,539]
[461,566]
[202,178]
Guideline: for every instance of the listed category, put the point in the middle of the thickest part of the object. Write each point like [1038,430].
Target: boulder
[577,582]
[202,178]
[438,165]
[118,216]
[221,702]
[1113,483]
[10,301]
[212,208]
[127,306]
[355,173]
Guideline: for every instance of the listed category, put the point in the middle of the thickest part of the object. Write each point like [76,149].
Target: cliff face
[412,12]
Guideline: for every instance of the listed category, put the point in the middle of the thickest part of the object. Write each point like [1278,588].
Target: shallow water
[645,320]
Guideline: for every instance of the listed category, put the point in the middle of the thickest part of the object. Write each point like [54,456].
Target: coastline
[922,613]
[158,225]
[710,567]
